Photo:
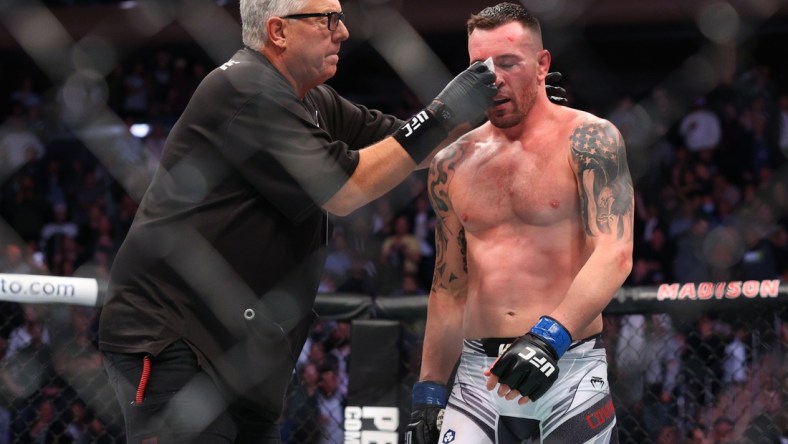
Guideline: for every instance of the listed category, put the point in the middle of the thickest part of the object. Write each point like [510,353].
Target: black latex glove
[555,93]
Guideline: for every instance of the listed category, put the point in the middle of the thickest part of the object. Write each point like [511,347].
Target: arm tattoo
[600,154]
[439,197]
[440,257]
[463,249]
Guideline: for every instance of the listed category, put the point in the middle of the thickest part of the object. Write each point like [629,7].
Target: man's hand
[529,366]
[464,100]
[429,401]
[555,93]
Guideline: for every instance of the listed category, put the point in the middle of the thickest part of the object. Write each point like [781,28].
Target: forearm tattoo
[601,160]
[439,174]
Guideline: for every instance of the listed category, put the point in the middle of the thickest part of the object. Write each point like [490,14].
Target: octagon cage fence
[695,341]
[684,360]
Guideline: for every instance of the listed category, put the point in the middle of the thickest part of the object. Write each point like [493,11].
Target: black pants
[180,402]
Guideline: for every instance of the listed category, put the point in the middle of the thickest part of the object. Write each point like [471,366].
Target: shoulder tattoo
[441,168]
[606,192]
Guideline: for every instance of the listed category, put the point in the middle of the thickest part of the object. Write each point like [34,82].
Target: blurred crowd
[701,379]
[711,201]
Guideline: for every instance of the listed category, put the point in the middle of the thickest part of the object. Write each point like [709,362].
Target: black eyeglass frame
[340,16]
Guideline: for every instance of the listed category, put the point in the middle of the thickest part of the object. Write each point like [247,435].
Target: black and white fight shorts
[578,408]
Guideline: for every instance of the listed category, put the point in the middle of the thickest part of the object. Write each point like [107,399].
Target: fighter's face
[519,68]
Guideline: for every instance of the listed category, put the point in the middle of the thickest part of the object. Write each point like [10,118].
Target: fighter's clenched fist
[429,402]
[529,365]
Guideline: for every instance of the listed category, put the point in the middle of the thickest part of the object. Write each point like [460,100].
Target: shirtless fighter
[534,237]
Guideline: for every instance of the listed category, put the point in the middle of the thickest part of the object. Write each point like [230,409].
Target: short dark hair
[502,13]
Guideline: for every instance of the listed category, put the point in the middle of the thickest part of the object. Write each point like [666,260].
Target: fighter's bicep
[604,182]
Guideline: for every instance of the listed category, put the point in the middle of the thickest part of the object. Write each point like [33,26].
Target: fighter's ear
[543,59]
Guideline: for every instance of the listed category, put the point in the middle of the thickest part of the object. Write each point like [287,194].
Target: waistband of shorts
[493,346]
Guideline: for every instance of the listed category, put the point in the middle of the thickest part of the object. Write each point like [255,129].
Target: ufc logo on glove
[415,123]
[540,363]
[539,349]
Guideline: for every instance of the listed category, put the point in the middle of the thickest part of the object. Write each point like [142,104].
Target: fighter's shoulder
[460,148]
[578,119]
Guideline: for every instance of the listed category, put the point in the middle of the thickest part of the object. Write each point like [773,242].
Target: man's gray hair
[254,14]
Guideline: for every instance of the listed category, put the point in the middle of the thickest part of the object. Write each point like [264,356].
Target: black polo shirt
[227,247]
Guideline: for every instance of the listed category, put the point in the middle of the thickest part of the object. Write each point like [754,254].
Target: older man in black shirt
[211,293]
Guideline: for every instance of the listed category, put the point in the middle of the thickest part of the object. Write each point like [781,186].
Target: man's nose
[341,33]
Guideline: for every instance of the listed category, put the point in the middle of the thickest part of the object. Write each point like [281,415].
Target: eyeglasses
[333,17]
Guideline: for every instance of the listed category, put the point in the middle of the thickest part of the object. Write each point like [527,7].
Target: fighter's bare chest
[514,187]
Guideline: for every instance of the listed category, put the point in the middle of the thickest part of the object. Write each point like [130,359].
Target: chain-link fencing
[677,368]
[97,147]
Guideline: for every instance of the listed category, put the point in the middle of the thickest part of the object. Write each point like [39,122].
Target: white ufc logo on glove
[540,363]
[416,122]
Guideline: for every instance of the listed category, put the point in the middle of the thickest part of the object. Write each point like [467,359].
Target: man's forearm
[592,289]
[381,167]
[442,340]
